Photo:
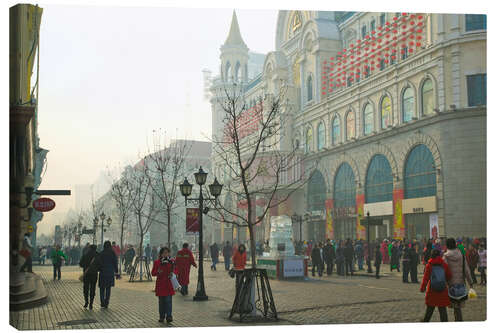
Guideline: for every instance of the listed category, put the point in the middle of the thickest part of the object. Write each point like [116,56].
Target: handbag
[458,292]
[175,284]
[25,253]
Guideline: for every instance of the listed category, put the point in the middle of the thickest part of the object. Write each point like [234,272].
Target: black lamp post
[368,240]
[215,190]
[108,221]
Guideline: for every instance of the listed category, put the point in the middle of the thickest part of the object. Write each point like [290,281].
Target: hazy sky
[109,76]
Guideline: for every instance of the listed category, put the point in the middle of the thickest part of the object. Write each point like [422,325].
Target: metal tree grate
[76,322]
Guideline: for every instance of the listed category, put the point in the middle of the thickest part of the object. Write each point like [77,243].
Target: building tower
[234,56]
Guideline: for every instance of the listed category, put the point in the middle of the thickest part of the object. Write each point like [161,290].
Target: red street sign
[192,224]
[44,204]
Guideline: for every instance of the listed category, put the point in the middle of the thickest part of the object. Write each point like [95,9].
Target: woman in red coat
[183,262]
[435,298]
[163,269]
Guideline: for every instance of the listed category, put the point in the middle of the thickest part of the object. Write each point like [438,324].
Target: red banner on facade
[399,221]
[192,223]
[360,230]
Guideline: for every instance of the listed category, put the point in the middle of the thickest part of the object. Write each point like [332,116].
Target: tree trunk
[168,227]
[251,232]
[121,245]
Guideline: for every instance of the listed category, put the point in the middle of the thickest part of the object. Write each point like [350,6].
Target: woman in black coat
[90,265]
[108,267]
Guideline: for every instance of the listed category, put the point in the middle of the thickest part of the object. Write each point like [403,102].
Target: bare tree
[123,197]
[96,209]
[166,166]
[145,204]
[260,160]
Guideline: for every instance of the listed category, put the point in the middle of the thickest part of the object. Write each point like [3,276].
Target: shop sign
[339,212]
[419,205]
[293,268]
[44,204]
[378,208]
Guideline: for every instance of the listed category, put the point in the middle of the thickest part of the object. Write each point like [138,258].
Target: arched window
[309,139]
[427,97]
[321,135]
[408,104]
[336,130]
[420,173]
[344,193]
[386,112]
[316,192]
[350,125]
[227,72]
[237,72]
[368,119]
[309,88]
[378,180]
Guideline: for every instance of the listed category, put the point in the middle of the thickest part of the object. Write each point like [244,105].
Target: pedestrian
[459,274]
[385,252]
[116,249]
[482,263]
[340,259]
[57,258]
[317,262]
[472,260]
[329,254]
[394,256]
[27,252]
[89,263]
[349,256]
[154,253]
[406,263]
[147,253]
[427,253]
[183,262]
[436,274]
[413,263]
[226,252]
[378,261]
[43,255]
[358,250]
[163,267]
[214,254]
[239,262]
[108,267]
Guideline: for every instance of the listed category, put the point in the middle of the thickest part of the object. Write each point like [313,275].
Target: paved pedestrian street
[319,300]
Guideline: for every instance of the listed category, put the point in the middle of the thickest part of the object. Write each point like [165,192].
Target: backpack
[438,280]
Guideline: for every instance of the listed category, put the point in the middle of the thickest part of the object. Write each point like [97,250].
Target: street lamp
[108,221]
[215,190]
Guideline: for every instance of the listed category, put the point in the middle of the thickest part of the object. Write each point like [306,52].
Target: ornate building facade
[392,105]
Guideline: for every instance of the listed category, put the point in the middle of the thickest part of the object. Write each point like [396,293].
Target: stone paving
[319,300]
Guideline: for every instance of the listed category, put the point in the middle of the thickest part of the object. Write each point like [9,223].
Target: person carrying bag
[457,290]
[163,269]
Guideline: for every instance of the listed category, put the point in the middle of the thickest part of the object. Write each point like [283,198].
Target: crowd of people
[453,262]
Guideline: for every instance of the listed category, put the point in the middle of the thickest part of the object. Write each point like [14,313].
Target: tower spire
[234,37]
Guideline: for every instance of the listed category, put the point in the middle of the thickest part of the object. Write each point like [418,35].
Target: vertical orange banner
[360,230]
[399,223]
[329,218]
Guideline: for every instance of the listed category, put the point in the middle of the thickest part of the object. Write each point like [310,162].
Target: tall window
[420,173]
[344,193]
[336,130]
[404,53]
[309,139]
[408,104]
[382,64]
[427,97]
[309,88]
[321,135]
[476,89]
[382,19]
[363,31]
[386,112]
[350,125]
[237,70]
[368,119]
[378,180]
[316,192]
[372,25]
[475,22]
